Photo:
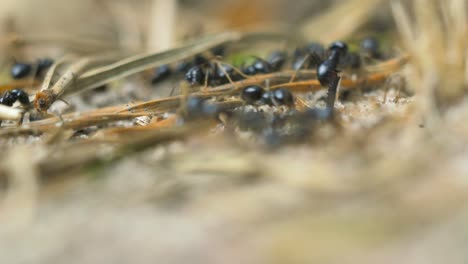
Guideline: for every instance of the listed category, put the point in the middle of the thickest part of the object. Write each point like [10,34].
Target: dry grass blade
[132,65]
[437,43]
[52,70]
[70,121]
[78,44]
[154,106]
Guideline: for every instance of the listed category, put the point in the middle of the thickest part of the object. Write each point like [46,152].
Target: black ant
[371,48]
[274,62]
[42,65]
[281,97]
[10,97]
[197,70]
[216,73]
[352,60]
[219,51]
[224,72]
[212,73]
[277,97]
[327,72]
[252,94]
[197,108]
[195,75]
[258,66]
[183,66]
[161,73]
[277,59]
[22,70]
[305,57]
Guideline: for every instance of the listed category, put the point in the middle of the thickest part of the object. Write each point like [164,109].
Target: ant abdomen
[21,96]
[252,94]
[258,66]
[277,59]
[21,70]
[282,97]
[10,97]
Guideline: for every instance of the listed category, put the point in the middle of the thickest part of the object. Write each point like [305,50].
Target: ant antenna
[174,87]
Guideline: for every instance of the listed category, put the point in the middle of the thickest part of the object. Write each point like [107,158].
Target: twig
[10,113]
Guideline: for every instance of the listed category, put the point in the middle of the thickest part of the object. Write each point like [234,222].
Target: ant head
[339,46]
[8,99]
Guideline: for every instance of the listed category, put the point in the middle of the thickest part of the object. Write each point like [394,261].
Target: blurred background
[151,25]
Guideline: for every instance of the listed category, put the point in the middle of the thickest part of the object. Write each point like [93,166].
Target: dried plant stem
[78,44]
[10,113]
[52,70]
[140,63]
[163,18]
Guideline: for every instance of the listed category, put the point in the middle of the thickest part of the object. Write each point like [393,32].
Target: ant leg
[220,65]
[237,70]
[64,101]
[61,122]
[301,104]
[302,64]
[400,85]
[332,90]
[171,93]
[20,121]
[205,86]
[387,87]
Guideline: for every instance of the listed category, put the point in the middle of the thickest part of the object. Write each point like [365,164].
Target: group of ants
[201,71]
